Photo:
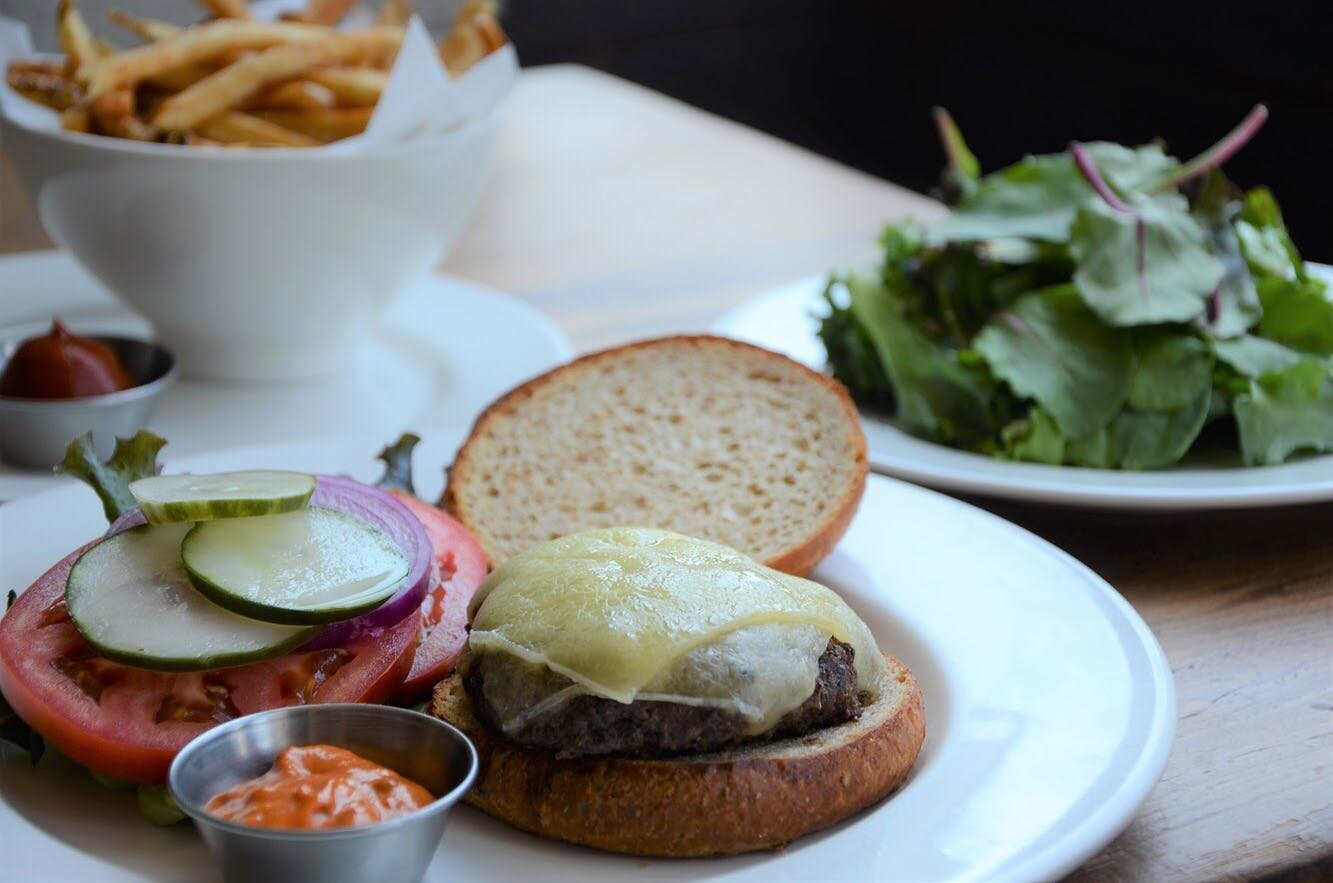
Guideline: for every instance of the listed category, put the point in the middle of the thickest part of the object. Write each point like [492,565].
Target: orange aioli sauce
[319,786]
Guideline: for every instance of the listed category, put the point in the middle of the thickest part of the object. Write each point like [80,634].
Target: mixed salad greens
[1108,306]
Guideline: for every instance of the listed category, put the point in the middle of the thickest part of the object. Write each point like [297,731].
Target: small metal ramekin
[34,432]
[426,750]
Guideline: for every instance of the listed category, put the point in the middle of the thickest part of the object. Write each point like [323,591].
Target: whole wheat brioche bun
[705,436]
[758,797]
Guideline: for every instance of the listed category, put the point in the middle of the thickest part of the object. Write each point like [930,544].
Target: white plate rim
[895,452]
[1096,831]
[1099,825]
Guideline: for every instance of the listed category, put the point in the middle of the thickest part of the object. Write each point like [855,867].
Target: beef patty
[589,725]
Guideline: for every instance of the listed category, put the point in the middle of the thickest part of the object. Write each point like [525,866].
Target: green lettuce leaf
[1264,239]
[1035,437]
[1038,196]
[1154,439]
[962,170]
[1253,356]
[1034,198]
[900,243]
[1143,439]
[852,356]
[1132,168]
[1233,307]
[133,458]
[1146,265]
[1286,412]
[1298,313]
[1170,372]
[1092,450]
[158,806]
[1264,251]
[397,460]
[1050,347]
[937,394]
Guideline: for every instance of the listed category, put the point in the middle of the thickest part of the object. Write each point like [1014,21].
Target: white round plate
[1049,708]
[785,320]
[443,350]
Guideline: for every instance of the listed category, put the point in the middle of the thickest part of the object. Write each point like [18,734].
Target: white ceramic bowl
[261,264]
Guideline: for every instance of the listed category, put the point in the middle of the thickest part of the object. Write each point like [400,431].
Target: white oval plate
[1049,708]
[784,320]
[442,351]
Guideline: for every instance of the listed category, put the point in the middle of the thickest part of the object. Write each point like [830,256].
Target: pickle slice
[309,566]
[131,598]
[169,499]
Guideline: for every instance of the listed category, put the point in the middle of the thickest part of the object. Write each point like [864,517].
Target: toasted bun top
[705,436]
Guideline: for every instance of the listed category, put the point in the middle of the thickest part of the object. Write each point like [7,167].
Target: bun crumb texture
[705,436]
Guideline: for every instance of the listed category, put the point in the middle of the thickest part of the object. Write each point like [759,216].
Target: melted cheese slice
[630,611]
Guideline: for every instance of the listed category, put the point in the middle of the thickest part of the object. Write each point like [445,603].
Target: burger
[640,691]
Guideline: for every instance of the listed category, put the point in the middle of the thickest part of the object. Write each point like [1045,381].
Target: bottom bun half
[754,797]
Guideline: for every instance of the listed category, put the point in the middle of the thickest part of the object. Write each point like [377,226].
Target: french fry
[327,12]
[474,34]
[113,113]
[151,30]
[477,9]
[464,46]
[148,29]
[394,12]
[193,45]
[227,8]
[239,127]
[381,61]
[391,12]
[180,79]
[237,82]
[39,66]
[76,41]
[45,97]
[331,124]
[351,86]
[294,95]
[43,82]
[76,119]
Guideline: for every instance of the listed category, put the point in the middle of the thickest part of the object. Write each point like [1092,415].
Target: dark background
[855,79]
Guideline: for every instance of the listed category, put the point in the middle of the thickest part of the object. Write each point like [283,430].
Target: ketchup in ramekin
[60,365]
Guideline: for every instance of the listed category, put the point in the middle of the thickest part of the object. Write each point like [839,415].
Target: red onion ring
[380,509]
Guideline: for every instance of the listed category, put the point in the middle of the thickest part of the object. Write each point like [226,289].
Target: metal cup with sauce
[417,746]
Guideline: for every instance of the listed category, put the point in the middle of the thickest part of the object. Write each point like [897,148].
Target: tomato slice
[129,723]
[462,568]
